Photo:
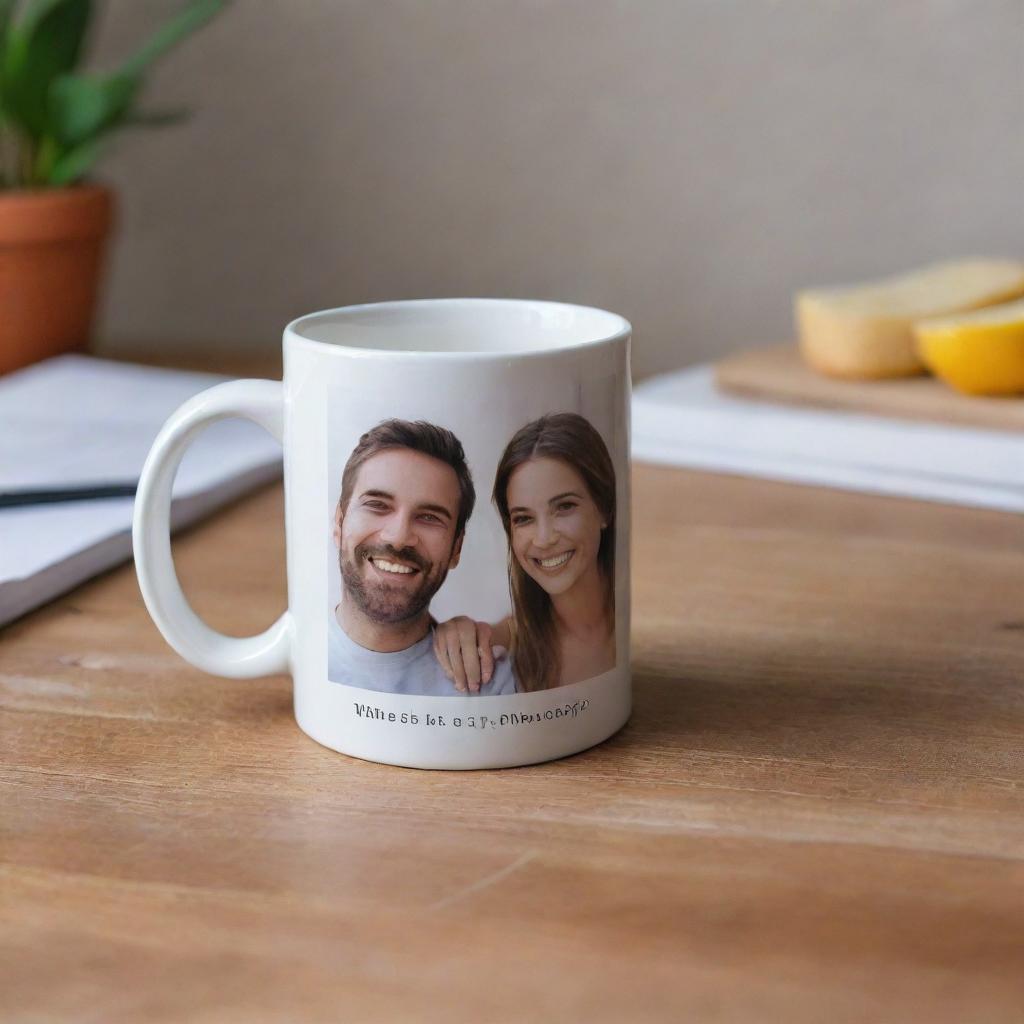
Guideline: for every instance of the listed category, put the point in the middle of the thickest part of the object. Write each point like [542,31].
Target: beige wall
[687,164]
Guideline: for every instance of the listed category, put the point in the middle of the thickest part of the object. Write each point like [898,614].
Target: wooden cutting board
[778,374]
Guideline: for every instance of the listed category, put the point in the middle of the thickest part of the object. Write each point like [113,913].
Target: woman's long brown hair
[571,439]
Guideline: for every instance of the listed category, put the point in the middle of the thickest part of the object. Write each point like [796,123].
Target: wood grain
[816,813]
[778,374]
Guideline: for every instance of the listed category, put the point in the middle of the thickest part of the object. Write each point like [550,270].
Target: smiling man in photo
[406,495]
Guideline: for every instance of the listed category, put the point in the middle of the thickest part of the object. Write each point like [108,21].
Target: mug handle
[268,653]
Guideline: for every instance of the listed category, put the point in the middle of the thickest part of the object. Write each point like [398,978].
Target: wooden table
[816,814]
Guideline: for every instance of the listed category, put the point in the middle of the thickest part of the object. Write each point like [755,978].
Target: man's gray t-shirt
[414,671]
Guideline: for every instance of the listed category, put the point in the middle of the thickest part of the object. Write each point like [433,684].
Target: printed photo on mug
[472,553]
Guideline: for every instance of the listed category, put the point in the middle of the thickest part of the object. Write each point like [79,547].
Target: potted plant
[55,122]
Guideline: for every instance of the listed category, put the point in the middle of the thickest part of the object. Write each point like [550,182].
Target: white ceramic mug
[457,510]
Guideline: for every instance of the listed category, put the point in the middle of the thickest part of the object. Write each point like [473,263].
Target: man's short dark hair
[437,442]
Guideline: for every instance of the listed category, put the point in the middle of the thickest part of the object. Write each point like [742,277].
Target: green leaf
[195,14]
[6,9]
[44,44]
[73,164]
[84,106]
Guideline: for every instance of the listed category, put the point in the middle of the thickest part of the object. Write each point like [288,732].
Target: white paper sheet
[681,419]
[78,421]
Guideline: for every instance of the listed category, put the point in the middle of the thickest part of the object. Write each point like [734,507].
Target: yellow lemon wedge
[978,353]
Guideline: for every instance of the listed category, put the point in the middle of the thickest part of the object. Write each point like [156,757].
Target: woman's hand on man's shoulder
[463,649]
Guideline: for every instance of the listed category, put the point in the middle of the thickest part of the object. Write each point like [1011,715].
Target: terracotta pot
[51,256]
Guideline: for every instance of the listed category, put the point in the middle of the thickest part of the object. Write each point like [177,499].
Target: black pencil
[44,496]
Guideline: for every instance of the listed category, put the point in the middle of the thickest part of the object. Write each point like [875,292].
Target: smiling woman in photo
[555,492]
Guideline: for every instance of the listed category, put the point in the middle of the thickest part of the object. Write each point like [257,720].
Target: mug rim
[619,328]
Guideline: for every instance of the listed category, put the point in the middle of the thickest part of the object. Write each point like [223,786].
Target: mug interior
[486,326]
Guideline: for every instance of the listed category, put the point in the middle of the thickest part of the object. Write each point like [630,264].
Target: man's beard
[381,602]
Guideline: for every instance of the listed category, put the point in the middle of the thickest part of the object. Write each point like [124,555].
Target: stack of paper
[75,421]
[680,419]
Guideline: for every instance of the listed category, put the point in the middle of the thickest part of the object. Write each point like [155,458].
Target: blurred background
[687,163]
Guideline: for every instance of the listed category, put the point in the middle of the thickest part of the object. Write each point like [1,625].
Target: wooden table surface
[816,813]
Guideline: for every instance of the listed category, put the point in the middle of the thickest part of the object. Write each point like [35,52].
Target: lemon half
[978,353]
